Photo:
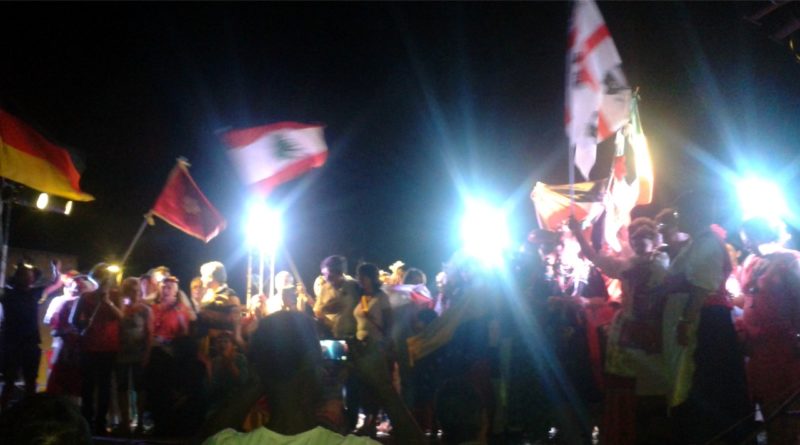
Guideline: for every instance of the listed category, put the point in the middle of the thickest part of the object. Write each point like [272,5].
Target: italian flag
[270,155]
[30,159]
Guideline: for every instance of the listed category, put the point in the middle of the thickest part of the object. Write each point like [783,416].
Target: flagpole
[136,238]
[249,276]
[5,220]
[261,270]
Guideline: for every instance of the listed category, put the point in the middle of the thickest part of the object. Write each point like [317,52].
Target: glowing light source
[42,200]
[68,208]
[113,268]
[484,232]
[761,198]
[263,227]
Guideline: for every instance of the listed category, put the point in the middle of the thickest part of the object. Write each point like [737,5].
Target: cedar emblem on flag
[30,159]
[598,95]
[185,207]
[270,155]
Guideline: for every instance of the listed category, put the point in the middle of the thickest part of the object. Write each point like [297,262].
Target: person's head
[44,419]
[758,231]
[441,280]
[196,288]
[131,289]
[101,275]
[82,284]
[285,352]
[415,276]
[460,412]
[158,273]
[213,274]
[369,277]
[169,290]
[283,280]
[642,235]
[333,269]
[25,274]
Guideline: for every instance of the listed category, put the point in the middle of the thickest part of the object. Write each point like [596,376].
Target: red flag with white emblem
[185,207]
[598,95]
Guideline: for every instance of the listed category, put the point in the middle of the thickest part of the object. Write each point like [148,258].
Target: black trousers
[96,369]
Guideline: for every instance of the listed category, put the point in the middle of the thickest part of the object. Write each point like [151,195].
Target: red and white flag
[269,155]
[598,95]
[185,207]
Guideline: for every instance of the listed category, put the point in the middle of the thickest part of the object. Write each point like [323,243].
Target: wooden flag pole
[145,223]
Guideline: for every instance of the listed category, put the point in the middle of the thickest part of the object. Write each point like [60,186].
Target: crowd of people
[679,338]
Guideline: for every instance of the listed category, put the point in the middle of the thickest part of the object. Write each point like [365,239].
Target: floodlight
[484,232]
[761,198]
[113,268]
[263,227]
[42,200]
[68,208]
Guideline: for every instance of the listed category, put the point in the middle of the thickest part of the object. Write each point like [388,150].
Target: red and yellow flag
[30,159]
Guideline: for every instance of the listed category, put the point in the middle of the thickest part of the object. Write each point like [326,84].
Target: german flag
[30,159]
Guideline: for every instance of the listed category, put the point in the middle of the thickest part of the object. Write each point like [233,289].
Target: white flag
[269,155]
[598,95]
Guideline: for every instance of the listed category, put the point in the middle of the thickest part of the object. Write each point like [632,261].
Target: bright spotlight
[68,208]
[761,198]
[113,268]
[41,201]
[484,232]
[263,227]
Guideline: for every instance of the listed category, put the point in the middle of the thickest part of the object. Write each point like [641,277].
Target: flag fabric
[29,158]
[598,96]
[185,207]
[270,155]
[631,181]
[403,294]
[552,202]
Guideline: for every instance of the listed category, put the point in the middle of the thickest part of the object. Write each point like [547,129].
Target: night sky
[421,102]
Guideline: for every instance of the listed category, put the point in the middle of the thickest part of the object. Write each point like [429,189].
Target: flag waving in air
[30,159]
[185,207]
[269,155]
[598,96]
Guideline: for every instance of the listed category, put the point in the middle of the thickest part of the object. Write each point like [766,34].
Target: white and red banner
[270,155]
[598,95]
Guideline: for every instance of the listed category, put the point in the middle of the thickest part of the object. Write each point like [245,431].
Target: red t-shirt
[103,334]
[169,321]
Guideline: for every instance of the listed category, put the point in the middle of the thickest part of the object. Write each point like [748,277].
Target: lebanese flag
[30,159]
[598,95]
[270,155]
[185,207]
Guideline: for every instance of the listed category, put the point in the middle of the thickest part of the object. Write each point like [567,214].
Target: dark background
[424,103]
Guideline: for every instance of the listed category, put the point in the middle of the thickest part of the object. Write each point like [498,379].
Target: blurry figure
[96,316]
[398,269]
[170,316]
[50,316]
[65,378]
[136,336]
[285,296]
[151,283]
[708,391]
[771,284]
[634,363]
[196,291]
[20,328]
[373,315]
[220,308]
[44,419]
[337,296]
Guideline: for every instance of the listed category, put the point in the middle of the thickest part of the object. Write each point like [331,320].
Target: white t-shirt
[263,436]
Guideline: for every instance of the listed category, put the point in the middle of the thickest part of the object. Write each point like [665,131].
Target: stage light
[113,268]
[761,198]
[42,200]
[68,208]
[263,227]
[484,232]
